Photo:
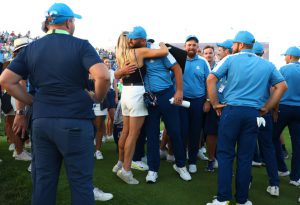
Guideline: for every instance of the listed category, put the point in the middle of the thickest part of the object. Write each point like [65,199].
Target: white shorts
[132,101]
[98,111]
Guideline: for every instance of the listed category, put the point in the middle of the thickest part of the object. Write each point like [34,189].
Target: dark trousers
[170,115]
[56,140]
[140,146]
[238,127]
[288,116]
[191,125]
[267,150]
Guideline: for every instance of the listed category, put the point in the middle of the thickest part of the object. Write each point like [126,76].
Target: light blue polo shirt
[291,73]
[158,76]
[248,78]
[194,77]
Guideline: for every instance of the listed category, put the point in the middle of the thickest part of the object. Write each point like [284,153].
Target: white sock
[126,173]
[120,163]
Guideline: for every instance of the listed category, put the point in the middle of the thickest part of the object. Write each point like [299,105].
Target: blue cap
[226,44]
[258,48]
[293,51]
[192,37]
[138,32]
[60,12]
[244,37]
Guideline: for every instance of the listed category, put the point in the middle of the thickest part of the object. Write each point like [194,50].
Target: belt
[133,84]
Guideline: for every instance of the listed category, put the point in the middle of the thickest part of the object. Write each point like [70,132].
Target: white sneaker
[29,168]
[216,202]
[183,173]
[201,155]
[283,174]
[98,155]
[99,195]
[256,164]
[216,165]
[139,165]
[144,159]
[273,190]
[203,149]
[110,138]
[163,154]
[116,168]
[247,203]
[24,156]
[103,139]
[151,177]
[27,145]
[14,153]
[170,158]
[12,147]
[192,168]
[295,183]
[128,178]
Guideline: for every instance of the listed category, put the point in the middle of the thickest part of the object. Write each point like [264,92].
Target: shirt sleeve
[169,61]
[90,56]
[18,65]
[221,69]
[276,76]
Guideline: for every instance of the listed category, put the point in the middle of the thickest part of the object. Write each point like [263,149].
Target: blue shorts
[211,123]
[110,97]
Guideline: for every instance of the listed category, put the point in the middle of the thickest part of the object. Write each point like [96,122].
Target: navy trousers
[56,140]
[192,121]
[238,127]
[288,116]
[170,115]
[267,150]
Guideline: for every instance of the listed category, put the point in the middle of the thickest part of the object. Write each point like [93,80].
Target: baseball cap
[258,48]
[226,44]
[244,37]
[192,37]
[20,43]
[293,51]
[137,32]
[60,12]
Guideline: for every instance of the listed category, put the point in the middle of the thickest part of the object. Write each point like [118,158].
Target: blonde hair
[122,49]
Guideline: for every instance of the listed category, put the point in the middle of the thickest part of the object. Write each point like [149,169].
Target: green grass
[15,184]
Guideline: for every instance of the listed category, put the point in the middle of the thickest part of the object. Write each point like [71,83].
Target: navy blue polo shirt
[57,66]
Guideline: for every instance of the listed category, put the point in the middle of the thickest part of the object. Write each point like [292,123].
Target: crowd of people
[225,99]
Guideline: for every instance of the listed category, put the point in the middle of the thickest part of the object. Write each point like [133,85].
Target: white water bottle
[184,103]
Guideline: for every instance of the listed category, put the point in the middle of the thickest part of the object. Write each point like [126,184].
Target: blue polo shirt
[291,73]
[158,76]
[248,78]
[57,66]
[194,77]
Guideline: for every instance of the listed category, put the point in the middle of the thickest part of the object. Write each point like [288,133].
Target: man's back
[248,76]
[57,65]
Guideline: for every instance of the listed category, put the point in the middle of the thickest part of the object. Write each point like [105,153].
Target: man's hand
[20,125]
[128,69]
[178,97]
[206,106]
[218,108]
[263,111]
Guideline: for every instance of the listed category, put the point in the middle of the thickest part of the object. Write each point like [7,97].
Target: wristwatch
[20,112]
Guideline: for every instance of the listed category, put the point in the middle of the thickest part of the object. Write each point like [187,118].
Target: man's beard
[137,45]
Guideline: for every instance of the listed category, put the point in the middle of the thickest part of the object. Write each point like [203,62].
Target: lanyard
[58,31]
